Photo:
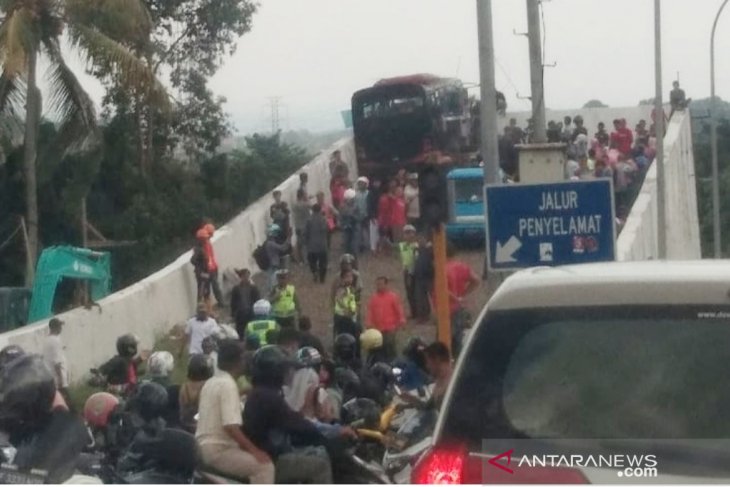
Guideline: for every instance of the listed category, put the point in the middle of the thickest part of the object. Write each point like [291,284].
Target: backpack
[261,256]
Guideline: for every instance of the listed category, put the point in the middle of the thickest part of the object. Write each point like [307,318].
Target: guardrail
[155,304]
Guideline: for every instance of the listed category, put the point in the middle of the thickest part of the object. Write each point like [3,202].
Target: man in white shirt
[198,328]
[223,445]
[55,357]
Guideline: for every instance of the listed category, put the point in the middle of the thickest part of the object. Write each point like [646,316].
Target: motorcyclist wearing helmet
[46,438]
[262,322]
[371,343]
[159,367]
[223,444]
[10,353]
[317,407]
[273,426]
[345,352]
[121,372]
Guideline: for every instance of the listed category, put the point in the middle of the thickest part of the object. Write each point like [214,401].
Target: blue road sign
[529,225]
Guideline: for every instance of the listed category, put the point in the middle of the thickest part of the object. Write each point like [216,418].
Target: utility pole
[536,72]
[274,105]
[488,116]
[660,132]
[713,124]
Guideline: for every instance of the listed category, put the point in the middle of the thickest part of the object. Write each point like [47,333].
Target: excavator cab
[65,262]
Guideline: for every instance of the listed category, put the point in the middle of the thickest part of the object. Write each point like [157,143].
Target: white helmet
[262,308]
[363,179]
[160,364]
[350,194]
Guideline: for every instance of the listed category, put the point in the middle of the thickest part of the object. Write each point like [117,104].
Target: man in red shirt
[622,137]
[385,314]
[462,281]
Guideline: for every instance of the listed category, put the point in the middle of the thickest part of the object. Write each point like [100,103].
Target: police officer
[262,325]
[284,301]
[345,309]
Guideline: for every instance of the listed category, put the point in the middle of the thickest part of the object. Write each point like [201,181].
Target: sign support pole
[441,285]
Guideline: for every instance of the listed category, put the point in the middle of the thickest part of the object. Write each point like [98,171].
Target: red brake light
[454,465]
[441,466]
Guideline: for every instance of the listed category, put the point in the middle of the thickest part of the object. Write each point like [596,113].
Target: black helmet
[150,401]
[10,353]
[347,381]
[199,369]
[27,390]
[270,365]
[413,351]
[127,345]
[345,349]
[383,373]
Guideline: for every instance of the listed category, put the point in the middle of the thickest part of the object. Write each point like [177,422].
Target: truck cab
[466,205]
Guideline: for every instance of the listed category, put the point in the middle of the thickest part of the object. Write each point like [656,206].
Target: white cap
[363,179]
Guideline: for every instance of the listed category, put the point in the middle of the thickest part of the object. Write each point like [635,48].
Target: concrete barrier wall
[639,237]
[152,306]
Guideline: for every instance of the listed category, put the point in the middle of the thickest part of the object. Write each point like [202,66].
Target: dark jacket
[315,234]
[242,301]
[273,426]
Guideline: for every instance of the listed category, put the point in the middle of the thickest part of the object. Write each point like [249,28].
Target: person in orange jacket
[385,314]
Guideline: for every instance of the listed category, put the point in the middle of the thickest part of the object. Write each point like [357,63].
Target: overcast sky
[315,53]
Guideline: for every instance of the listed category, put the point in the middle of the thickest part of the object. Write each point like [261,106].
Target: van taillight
[441,466]
[454,465]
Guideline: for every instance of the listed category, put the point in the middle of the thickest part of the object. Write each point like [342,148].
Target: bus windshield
[383,107]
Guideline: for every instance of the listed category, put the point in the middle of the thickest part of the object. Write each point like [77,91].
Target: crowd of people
[623,155]
[291,428]
[292,384]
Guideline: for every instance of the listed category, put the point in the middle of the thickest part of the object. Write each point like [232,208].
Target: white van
[605,373]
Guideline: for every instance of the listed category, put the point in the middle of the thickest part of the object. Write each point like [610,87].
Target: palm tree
[31,28]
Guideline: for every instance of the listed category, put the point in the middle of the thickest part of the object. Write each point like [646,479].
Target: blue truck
[466,206]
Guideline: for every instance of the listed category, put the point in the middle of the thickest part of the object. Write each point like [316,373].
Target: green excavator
[21,306]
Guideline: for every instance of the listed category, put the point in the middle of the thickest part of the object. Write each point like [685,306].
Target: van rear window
[610,372]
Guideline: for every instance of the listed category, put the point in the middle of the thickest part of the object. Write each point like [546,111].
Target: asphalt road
[314,298]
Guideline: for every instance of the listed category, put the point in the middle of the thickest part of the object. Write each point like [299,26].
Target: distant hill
[312,142]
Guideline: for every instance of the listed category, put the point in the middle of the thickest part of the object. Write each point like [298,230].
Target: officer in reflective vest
[284,301]
[262,324]
[345,312]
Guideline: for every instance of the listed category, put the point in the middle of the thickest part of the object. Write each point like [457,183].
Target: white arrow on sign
[505,252]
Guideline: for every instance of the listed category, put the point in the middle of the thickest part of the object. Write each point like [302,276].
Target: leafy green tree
[189,41]
[30,28]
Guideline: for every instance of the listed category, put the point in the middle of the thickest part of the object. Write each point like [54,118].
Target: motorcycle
[408,444]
